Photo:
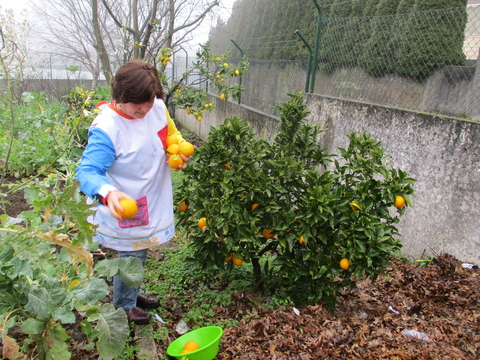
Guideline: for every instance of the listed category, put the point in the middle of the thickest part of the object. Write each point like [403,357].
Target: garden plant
[308,221]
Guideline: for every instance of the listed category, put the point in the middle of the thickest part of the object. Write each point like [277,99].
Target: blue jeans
[124,296]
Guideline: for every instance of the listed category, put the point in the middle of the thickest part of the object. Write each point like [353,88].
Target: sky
[224,11]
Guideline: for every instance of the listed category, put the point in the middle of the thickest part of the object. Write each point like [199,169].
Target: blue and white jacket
[128,154]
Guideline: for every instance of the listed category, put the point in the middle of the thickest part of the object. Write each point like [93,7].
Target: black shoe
[147,302]
[138,316]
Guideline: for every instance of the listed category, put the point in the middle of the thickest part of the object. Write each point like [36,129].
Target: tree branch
[200,17]
[114,18]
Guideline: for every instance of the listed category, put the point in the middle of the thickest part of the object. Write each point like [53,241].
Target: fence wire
[422,61]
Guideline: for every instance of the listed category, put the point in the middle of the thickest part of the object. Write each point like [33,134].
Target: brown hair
[136,82]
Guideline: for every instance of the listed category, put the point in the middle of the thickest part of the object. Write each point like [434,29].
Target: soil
[411,312]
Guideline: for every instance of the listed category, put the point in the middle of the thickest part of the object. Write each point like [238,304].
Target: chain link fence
[422,61]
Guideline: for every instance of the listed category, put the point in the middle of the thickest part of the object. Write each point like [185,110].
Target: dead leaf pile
[436,306]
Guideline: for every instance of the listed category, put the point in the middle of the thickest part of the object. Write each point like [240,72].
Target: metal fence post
[317,41]
[240,77]
[186,63]
[309,65]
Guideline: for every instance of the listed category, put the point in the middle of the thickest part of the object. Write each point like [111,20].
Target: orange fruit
[191,346]
[355,206]
[229,258]
[222,97]
[228,166]
[184,351]
[182,206]
[171,140]
[130,208]
[344,264]
[267,233]
[237,261]
[254,206]
[172,149]
[202,223]
[302,239]
[186,149]
[175,161]
[399,201]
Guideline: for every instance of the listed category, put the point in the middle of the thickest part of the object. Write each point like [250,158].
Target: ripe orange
[237,261]
[172,149]
[228,258]
[344,264]
[302,239]
[202,223]
[355,206]
[254,206]
[130,208]
[228,165]
[186,149]
[175,161]
[267,233]
[182,206]
[190,346]
[399,202]
[171,140]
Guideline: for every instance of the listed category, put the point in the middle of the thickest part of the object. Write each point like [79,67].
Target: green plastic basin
[207,338]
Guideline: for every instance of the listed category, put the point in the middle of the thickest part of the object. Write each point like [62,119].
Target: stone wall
[442,153]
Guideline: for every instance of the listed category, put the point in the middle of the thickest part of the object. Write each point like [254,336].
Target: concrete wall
[442,153]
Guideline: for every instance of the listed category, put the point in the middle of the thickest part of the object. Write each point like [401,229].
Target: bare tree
[155,24]
[72,29]
[103,34]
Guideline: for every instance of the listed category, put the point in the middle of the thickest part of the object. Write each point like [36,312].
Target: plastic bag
[182,327]
[416,335]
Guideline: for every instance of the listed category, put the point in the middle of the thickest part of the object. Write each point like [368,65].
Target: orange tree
[214,71]
[292,209]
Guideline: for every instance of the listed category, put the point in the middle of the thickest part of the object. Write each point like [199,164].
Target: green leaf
[39,303]
[6,254]
[64,315]
[130,269]
[91,291]
[54,343]
[33,326]
[21,267]
[113,331]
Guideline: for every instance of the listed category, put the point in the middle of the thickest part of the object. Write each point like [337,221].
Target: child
[125,158]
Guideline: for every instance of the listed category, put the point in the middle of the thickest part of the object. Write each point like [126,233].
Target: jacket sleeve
[97,158]
[172,128]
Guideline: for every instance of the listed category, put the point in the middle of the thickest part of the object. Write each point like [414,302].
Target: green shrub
[433,38]
[300,191]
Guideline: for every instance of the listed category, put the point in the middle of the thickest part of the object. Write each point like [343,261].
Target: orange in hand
[175,161]
[171,140]
[186,148]
[172,150]
[130,208]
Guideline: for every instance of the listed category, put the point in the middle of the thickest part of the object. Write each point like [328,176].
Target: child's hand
[185,160]
[113,202]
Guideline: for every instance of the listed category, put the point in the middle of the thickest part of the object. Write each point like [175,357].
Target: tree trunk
[99,45]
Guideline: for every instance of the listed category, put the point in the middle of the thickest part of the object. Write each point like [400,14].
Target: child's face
[137,111]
